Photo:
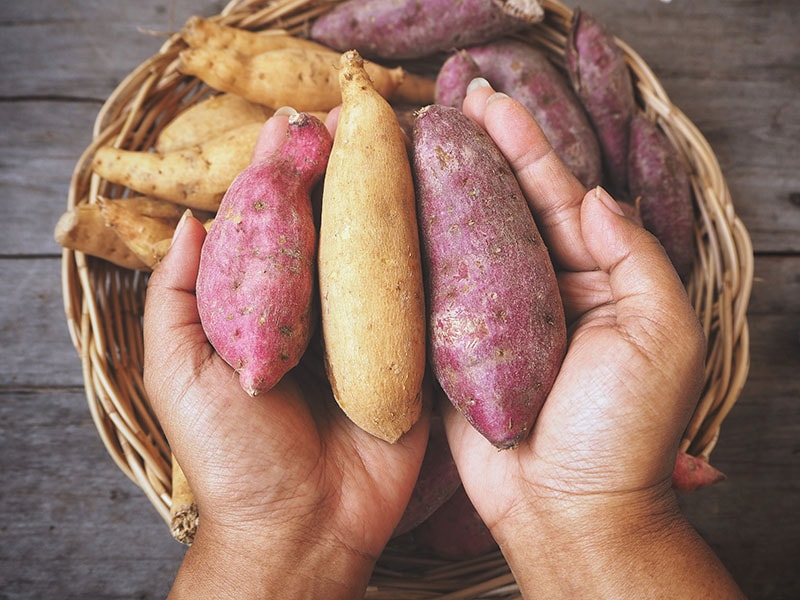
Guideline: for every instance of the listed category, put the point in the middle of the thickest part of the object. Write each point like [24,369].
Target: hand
[292,496]
[633,369]
[592,481]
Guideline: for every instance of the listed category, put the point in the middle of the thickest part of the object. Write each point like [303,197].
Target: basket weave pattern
[104,304]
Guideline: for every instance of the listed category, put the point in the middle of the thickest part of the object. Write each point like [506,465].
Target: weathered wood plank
[72,524]
[40,143]
[83,49]
[35,342]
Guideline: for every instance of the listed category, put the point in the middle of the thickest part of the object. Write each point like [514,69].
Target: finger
[552,191]
[582,292]
[332,120]
[585,291]
[172,329]
[651,306]
[272,133]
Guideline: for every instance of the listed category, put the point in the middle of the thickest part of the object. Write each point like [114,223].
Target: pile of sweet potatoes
[424,255]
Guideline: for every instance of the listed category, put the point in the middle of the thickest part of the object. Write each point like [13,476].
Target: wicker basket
[104,303]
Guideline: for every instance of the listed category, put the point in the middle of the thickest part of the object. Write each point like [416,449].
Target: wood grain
[71,521]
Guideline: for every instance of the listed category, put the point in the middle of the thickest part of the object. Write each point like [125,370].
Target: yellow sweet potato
[303,79]
[209,34]
[208,119]
[142,227]
[372,299]
[196,177]
[83,228]
[199,32]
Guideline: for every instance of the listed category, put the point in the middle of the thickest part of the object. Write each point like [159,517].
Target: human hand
[292,496]
[595,470]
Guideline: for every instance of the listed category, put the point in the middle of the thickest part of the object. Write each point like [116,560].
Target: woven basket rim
[103,303]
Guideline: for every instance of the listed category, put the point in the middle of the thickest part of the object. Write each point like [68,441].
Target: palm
[592,416]
[277,458]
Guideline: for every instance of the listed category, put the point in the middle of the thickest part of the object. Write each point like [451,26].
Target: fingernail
[284,111]
[601,194]
[187,213]
[496,96]
[477,83]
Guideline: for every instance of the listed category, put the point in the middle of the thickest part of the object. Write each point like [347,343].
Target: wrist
[592,546]
[288,564]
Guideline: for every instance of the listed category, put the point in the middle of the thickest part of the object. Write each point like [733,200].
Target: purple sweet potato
[455,531]
[454,77]
[659,178]
[395,29]
[525,73]
[437,481]
[496,327]
[602,81]
[692,473]
[257,266]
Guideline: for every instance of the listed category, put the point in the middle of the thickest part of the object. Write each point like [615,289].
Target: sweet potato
[659,178]
[141,224]
[455,531]
[437,481]
[453,77]
[256,275]
[200,32]
[372,300]
[303,79]
[602,81]
[396,29]
[525,73]
[196,177]
[497,332]
[83,228]
[692,473]
[205,33]
[207,120]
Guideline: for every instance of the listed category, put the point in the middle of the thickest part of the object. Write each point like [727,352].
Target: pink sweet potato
[602,81]
[455,531]
[394,29]
[525,73]
[496,327]
[257,266]
[692,473]
[437,481]
[659,179]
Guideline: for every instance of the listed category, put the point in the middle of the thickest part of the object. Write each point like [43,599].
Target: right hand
[606,439]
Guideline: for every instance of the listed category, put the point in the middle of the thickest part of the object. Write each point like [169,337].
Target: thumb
[641,275]
[173,334]
[652,311]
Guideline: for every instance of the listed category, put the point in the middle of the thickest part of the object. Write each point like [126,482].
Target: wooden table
[73,526]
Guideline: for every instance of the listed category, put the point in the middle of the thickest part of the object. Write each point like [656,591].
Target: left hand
[284,475]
